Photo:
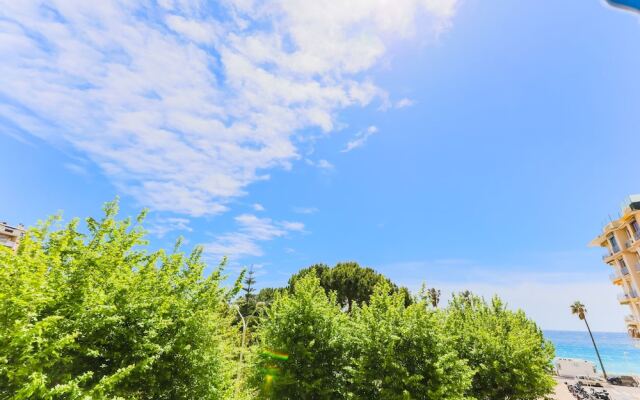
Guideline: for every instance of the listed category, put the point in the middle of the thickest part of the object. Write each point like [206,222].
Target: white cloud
[258,207]
[160,226]
[183,108]
[305,210]
[322,164]
[293,226]
[360,139]
[402,103]
[252,230]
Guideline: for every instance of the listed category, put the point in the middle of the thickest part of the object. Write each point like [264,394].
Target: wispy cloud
[184,104]
[258,207]
[305,210]
[76,169]
[360,139]
[322,164]
[252,230]
[160,226]
[402,103]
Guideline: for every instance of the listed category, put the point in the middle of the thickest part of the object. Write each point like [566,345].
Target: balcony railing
[614,276]
[630,319]
[628,244]
[623,298]
[607,255]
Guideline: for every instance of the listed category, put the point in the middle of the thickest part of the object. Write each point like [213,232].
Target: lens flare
[276,355]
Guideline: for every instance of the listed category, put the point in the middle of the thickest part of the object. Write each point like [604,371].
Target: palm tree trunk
[596,347]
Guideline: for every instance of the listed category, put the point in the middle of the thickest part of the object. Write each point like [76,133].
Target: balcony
[623,298]
[631,320]
[617,276]
[606,256]
[628,244]
[8,243]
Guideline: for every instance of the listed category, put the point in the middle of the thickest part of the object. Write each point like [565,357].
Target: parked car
[589,381]
[623,380]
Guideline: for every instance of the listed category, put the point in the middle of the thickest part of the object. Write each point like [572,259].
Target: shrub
[404,353]
[507,351]
[302,345]
[97,316]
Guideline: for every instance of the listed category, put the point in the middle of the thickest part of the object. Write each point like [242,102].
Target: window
[614,244]
[623,267]
[636,229]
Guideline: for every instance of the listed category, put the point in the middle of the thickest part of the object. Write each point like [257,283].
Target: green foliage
[352,283]
[302,345]
[267,295]
[94,316]
[404,352]
[508,353]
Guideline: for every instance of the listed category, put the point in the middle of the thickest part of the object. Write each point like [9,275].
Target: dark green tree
[352,283]
[267,295]
[247,302]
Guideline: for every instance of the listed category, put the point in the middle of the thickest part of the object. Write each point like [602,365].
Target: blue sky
[469,144]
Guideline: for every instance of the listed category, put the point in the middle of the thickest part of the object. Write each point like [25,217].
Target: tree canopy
[96,315]
[352,283]
[507,352]
[90,312]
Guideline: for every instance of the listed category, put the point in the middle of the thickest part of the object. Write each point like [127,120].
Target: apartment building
[621,238]
[10,235]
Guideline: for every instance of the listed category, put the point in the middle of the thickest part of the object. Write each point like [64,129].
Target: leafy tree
[95,315]
[507,351]
[267,295]
[302,345]
[404,352]
[351,282]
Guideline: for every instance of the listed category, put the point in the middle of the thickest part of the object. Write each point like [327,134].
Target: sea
[618,352]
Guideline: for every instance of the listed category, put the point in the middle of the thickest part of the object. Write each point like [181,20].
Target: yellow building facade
[621,238]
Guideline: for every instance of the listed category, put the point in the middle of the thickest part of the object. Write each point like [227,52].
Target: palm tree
[579,309]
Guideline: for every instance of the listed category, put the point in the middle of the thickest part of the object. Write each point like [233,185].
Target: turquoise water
[619,355]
